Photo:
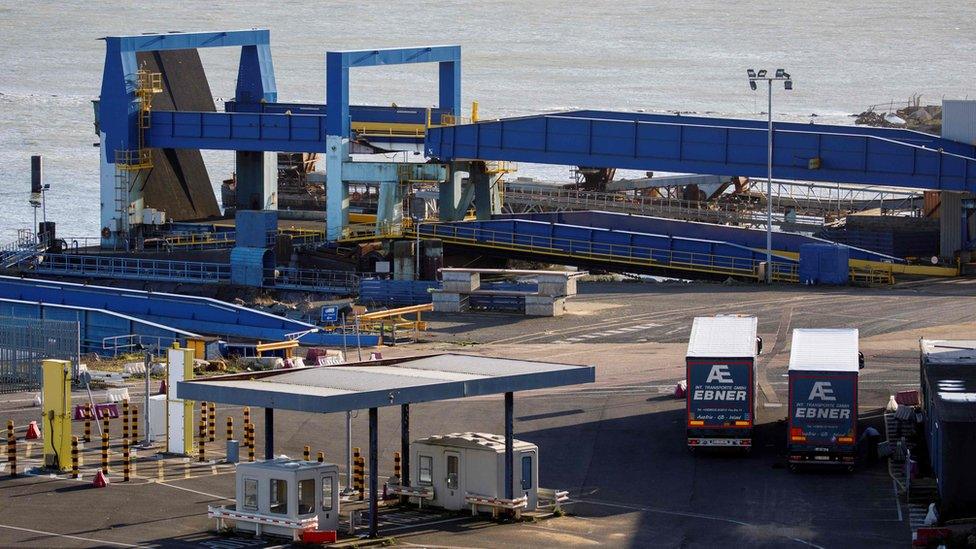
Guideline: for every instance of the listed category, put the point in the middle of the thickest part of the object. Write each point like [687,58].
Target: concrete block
[460,282]
[557,286]
[542,305]
[449,302]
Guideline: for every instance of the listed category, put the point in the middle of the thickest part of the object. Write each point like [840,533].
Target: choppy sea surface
[519,58]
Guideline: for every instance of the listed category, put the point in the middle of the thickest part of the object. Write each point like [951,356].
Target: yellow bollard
[230,427]
[125,418]
[105,453]
[11,448]
[307,453]
[74,457]
[212,422]
[202,434]
[105,424]
[125,460]
[89,414]
[321,457]
[250,443]
[396,465]
[361,477]
[135,423]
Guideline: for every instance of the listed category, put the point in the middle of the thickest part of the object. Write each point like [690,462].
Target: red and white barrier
[516,505]
[419,492]
[297,526]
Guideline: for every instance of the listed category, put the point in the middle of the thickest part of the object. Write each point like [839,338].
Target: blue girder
[874,156]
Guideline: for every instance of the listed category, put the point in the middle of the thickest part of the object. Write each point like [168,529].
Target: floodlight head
[788,85]
[752,84]
[751,73]
[762,73]
[787,75]
[780,73]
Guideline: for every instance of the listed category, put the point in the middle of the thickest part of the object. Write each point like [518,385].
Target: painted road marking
[68,536]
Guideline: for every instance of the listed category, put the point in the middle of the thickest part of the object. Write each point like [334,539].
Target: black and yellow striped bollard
[105,453]
[202,435]
[307,453]
[125,460]
[135,423]
[125,418]
[212,422]
[250,442]
[321,457]
[230,427]
[105,423]
[359,476]
[11,448]
[396,466]
[89,415]
[74,457]
[247,419]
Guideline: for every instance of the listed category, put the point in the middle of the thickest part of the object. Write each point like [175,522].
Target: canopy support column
[374,468]
[269,433]
[405,444]
[509,443]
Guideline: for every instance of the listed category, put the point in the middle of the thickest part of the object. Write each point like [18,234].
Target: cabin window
[326,493]
[279,496]
[452,472]
[306,496]
[250,494]
[526,472]
[426,470]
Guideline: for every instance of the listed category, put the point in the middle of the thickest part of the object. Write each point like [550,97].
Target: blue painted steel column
[509,444]
[257,180]
[117,128]
[269,433]
[337,125]
[374,469]
[255,76]
[450,86]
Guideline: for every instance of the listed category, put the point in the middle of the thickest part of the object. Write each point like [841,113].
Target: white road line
[682,514]
[215,496]
[69,536]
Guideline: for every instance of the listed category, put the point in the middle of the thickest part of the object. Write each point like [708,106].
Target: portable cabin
[823,374]
[282,495]
[721,374]
[948,370]
[473,464]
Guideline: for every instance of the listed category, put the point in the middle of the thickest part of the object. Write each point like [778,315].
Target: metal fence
[25,342]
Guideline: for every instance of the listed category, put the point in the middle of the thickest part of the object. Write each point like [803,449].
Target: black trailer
[721,375]
[948,371]
[823,378]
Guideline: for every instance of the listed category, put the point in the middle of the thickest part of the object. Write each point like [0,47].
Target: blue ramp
[749,238]
[199,315]
[96,325]
[616,249]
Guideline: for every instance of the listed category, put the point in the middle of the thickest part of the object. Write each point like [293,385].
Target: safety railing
[193,241]
[624,254]
[314,280]
[135,342]
[134,269]
[367,231]
[881,274]
[556,197]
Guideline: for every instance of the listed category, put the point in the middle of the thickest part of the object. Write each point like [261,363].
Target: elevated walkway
[685,144]
[199,315]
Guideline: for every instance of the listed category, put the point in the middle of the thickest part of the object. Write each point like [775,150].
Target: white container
[461,464]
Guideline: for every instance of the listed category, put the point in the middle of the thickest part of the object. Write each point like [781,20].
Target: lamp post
[755,76]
